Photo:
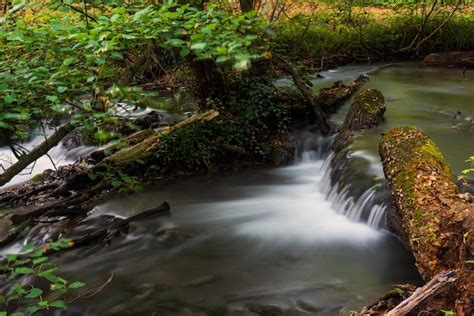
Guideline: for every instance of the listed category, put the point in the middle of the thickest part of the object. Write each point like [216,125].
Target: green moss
[37,178]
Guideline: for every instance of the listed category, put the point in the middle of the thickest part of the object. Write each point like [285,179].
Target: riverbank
[327,38]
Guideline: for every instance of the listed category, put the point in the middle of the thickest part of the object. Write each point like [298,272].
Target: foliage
[118,179]
[22,276]
[468,171]
[351,36]
[251,118]
[65,67]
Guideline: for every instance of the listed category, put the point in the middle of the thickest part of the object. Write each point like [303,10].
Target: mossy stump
[435,222]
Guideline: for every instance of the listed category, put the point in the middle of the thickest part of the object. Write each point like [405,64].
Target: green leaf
[100,61]
[43,303]
[76,285]
[198,46]
[58,304]
[11,257]
[39,260]
[51,98]
[184,52]
[24,270]
[62,89]
[34,293]
[69,60]
[9,99]
[27,247]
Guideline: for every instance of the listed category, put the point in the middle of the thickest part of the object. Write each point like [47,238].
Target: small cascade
[377,216]
[347,180]
[364,207]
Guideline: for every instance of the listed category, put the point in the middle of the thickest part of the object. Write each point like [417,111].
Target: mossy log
[451,59]
[57,199]
[330,98]
[148,146]
[365,113]
[435,222]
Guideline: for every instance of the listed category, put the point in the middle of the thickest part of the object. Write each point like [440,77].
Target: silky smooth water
[428,98]
[295,237]
[260,236]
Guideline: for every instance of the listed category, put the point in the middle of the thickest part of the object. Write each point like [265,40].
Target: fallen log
[36,153]
[450,59]
[365,113]
[435,222]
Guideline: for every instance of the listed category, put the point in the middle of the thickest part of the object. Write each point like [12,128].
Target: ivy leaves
[26,297]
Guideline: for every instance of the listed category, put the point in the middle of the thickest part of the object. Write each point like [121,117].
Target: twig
[92,292]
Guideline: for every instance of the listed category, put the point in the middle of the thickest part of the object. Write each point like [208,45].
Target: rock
[451,59]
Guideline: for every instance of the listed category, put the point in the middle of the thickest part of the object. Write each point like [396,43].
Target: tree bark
[36,153]
[247,5]
[321,119]
[435,222]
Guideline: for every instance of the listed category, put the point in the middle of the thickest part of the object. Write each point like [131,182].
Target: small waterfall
[377,216]
[343,197]
[347,180]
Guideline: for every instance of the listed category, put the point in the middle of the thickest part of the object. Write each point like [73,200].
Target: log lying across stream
[451,59]
[436,222]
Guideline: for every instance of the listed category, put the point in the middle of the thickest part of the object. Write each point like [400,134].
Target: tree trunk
[209,83]
[247,5]
[435,222]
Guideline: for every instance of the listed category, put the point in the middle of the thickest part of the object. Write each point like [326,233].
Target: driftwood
[36,153]
[300,83]
[423,293]
[450,59]
[365,113]
[435,222]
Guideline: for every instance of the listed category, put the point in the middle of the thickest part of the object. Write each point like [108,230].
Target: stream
[305,239]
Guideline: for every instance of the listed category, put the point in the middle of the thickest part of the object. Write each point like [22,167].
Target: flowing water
[308,238]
